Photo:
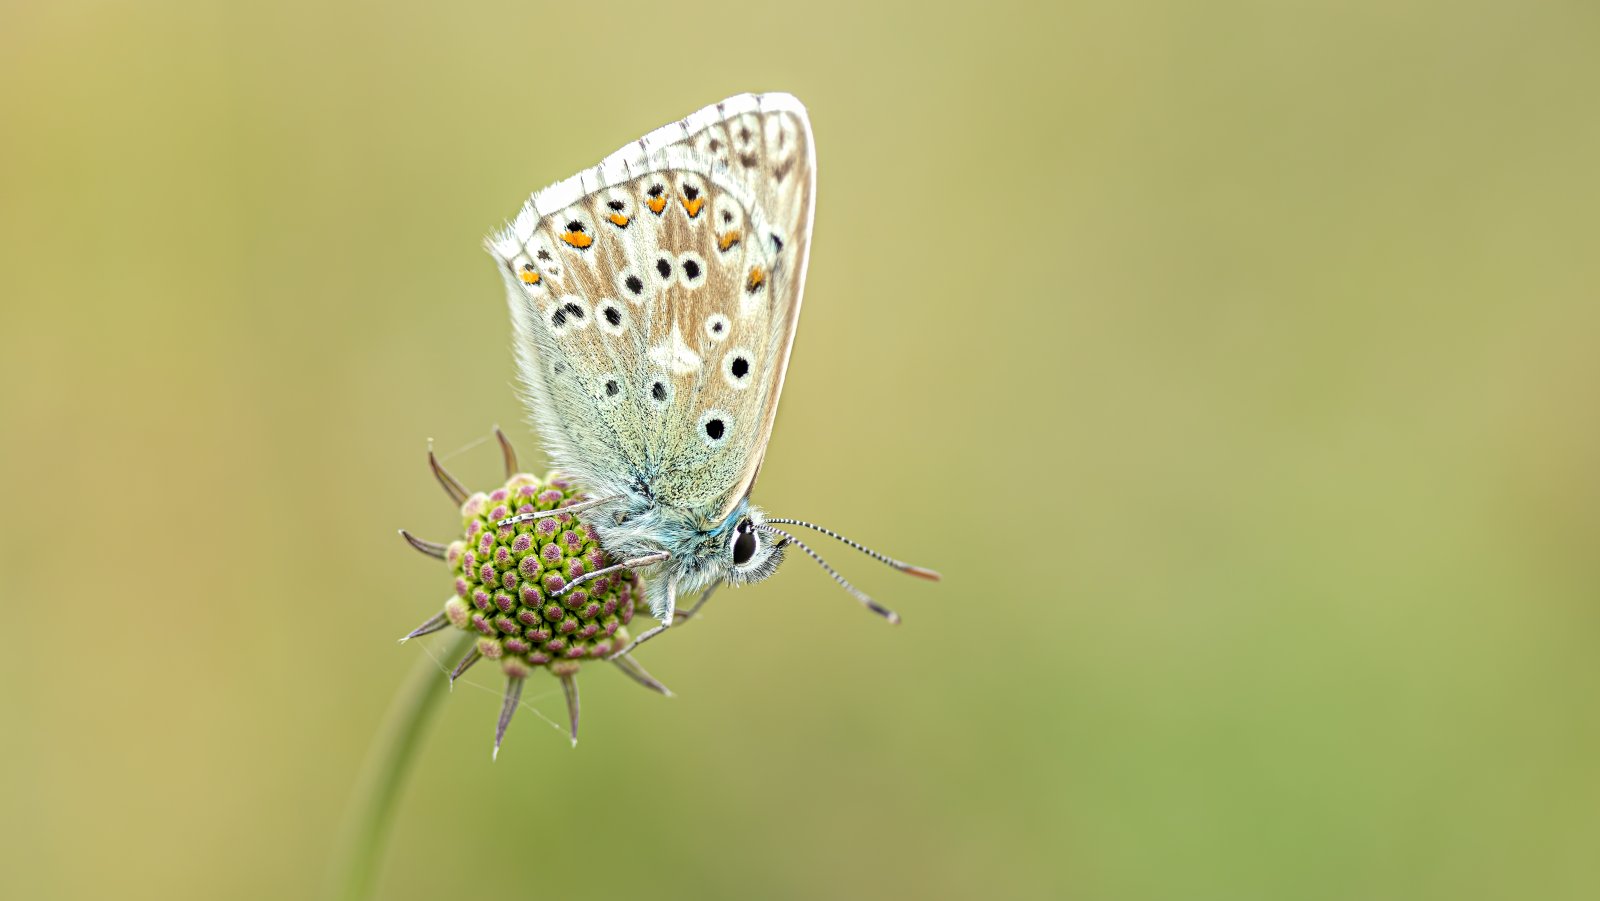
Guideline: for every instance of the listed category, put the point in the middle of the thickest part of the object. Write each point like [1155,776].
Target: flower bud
[509,587]
[506,578]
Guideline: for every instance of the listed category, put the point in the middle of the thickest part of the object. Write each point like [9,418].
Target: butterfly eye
[744,542]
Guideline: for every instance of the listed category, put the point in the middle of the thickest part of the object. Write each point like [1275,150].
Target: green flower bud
[513,586]
[506,578]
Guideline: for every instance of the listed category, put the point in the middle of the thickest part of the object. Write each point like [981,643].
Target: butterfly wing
[654,300]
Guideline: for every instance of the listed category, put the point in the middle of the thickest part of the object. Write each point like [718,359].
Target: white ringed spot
[691,270]
[738,365]
[610,316]
[714,428]
[717,327]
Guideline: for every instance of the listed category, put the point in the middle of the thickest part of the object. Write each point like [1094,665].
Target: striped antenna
[908,569]
[855,592]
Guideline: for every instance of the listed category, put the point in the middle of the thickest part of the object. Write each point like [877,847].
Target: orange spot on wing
[656,204]
[577,239]
[758,277]
[692,207]
[619,220]
[530,278]
[728,241]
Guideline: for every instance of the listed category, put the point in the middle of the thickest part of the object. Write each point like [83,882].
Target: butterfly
[654,300]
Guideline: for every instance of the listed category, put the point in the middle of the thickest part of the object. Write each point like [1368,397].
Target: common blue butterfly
[654,300]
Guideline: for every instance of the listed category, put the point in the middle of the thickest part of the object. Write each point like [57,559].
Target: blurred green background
[1236,362]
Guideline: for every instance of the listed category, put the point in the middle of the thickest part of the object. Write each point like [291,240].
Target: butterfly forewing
[654,300]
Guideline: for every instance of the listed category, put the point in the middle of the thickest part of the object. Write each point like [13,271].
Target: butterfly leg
[692,612]
[643,637]
[657,630]
[546,514]
[635,563]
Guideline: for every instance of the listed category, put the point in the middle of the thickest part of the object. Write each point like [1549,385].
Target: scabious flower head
[516,585]
[539,592]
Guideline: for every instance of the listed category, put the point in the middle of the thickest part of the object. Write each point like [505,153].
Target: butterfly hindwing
[654,300]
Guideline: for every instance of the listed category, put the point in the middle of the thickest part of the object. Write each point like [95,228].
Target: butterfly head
[748,547]
[750,553]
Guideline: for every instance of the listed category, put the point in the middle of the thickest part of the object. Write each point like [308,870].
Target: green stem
[383,775]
